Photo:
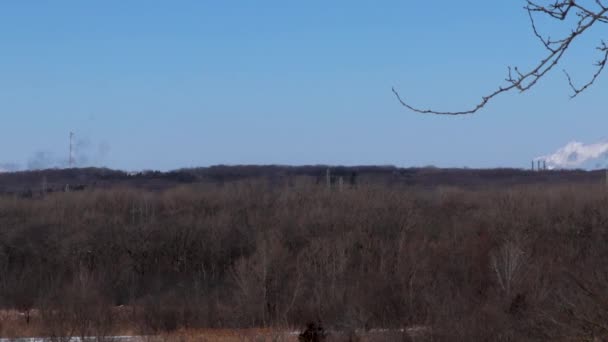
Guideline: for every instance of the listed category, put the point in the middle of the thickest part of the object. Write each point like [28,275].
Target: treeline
[35,183]
[509,264]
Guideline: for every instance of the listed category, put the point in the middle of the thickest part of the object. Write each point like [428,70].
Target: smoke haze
[85,153]
[9,167]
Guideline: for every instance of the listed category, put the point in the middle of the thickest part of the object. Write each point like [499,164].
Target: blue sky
[169,84]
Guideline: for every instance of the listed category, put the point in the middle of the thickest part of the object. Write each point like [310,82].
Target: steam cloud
[575,154]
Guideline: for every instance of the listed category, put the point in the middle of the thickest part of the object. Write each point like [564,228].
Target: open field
[236,335]
[15,329]
[524,262]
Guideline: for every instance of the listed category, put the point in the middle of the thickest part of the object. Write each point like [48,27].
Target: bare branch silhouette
[586,17]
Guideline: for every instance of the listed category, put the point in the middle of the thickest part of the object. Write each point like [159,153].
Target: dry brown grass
[13,324]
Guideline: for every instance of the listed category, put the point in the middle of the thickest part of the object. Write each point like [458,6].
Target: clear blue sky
[169,84]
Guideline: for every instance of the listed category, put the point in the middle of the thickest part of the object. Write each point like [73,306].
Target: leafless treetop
[585,14]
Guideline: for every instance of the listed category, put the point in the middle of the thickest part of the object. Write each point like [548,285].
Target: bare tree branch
[523,81]
[600,67]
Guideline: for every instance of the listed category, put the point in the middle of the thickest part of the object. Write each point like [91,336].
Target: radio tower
[71,156]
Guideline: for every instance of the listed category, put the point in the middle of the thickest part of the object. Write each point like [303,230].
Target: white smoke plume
[577,155]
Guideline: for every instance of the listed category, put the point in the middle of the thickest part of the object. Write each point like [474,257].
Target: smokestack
[544,165]
[71,156]
[538,165]
[532,165]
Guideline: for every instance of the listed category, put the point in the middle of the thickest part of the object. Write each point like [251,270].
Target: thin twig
[523,81]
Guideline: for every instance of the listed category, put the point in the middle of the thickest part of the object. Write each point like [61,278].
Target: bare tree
[507,263]
[581,14]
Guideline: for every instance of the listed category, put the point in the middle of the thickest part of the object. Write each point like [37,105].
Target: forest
[461,263]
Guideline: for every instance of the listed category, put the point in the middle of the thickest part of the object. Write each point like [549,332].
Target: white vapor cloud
[576,154]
